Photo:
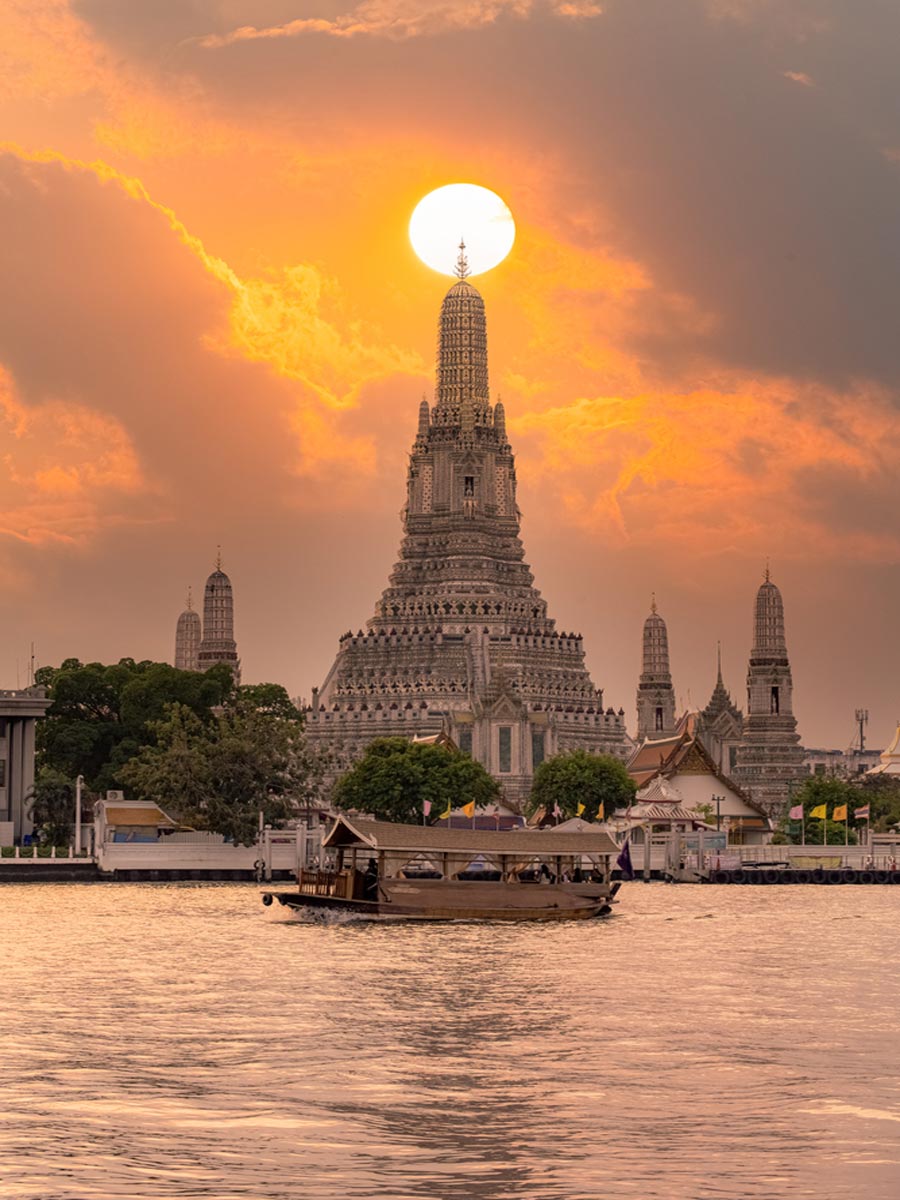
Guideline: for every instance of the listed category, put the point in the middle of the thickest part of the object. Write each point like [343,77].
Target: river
[182,1041]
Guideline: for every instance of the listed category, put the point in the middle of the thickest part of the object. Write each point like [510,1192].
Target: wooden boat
[430,873]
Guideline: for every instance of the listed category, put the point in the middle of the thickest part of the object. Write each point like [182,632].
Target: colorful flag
[557,811]
[426,808]
[840,812]
[861,814]
[579,810]
[445,816]
[623,862]
[820,812]
[469,810]
[796,813]
[600,811]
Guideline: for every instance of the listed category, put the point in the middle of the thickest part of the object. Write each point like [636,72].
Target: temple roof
[720,701]
[683,752]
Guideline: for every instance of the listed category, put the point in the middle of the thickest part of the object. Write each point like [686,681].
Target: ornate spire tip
[461,270]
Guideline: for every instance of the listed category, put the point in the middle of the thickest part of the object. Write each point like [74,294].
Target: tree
[218,775]
[395,777]
[577,777]
[814,792]
[52,807]
[102,716]
[270,698]
[882,794]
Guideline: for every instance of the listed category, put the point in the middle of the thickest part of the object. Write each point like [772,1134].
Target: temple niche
[460,639]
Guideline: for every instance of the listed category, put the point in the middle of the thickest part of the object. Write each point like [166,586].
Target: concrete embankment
[43,870]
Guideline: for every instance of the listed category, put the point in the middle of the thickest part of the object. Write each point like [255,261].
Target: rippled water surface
[183,1041]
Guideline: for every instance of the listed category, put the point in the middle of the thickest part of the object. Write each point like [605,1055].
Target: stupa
[461,640]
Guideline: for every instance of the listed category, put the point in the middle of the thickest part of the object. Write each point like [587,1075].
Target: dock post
[646,854]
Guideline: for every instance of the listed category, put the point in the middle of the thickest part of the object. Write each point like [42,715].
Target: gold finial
[768,573]
[190,599]
[218,558]
[461,270]
[653,602]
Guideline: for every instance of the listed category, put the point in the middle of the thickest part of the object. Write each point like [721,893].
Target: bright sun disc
[462,211]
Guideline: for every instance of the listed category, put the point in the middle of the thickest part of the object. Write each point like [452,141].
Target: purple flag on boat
[623,862]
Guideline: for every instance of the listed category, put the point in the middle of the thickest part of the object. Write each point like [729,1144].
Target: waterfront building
[679,772]
[19,713]
[720,726]
[655,694]
[461,639]
[769,760]
[218,644]
[188,635]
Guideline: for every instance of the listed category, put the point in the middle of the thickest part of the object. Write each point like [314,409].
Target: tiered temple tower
[769,760]
[720,726]
[188,634]
[655,694]
[460,639]
[218,644]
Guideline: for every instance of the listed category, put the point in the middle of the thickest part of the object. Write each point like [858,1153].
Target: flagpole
[825,827]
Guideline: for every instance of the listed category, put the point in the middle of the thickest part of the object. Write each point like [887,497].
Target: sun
[467,212]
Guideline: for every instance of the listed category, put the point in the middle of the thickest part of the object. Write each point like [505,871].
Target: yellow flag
[469,809]
[600,812]
[445,816]
[579,810]
[820,812]
[840,812]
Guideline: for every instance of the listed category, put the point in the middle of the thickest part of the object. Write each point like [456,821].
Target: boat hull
[448,900]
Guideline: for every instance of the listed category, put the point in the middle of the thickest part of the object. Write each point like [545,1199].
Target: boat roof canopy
[385,835]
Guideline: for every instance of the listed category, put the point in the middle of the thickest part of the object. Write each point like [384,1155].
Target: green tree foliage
[219,774]
[882,794]
[270,698]
[817,790]
[101,716]
[575,778]
[52,807]
[395,777]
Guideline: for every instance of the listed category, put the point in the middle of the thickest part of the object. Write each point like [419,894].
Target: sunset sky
[214,330]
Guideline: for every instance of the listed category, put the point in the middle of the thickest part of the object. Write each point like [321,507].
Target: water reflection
[180,1041]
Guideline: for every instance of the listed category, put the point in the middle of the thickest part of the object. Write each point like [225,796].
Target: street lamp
[718,800]
[79,783]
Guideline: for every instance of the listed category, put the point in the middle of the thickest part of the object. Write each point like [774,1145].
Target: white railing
[32,856]
[860,858]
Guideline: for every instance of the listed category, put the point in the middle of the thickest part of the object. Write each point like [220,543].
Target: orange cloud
[400,19]
[758,467]
[62,462]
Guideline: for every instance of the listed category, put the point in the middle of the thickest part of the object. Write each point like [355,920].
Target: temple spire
[218,558]
[719,682]
[655,695]
[461,270]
